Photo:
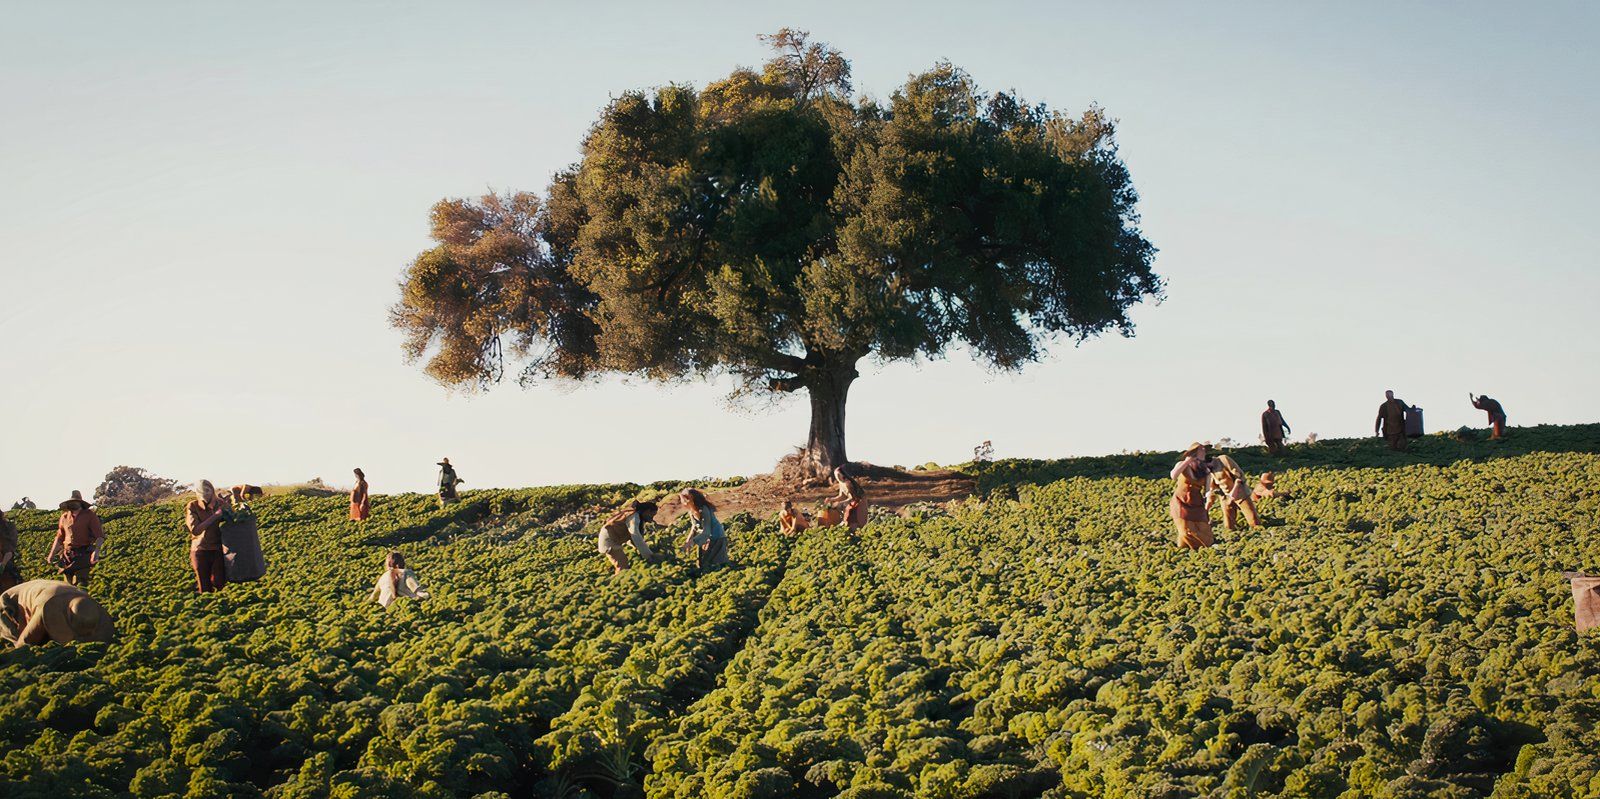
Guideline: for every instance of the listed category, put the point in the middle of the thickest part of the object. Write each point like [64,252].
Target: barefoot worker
[360,501]
[1228,481]
[447,482]
[706,535]
[791,519]
[1273,427]
[851,500]
[1497,414]
[79,534]
[1391,423]
[397,581]
[40,611]
[203,518]
[624,527]
[1188,506]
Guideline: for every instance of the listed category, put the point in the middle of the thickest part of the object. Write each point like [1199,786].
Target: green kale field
[1399,629]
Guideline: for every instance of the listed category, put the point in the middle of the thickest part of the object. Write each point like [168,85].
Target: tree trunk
[828,387]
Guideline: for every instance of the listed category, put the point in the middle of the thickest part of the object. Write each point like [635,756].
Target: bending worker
[1228,481]
[623,527]
[40,611]
[1497,414]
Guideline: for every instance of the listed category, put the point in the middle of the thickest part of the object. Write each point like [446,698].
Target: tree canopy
[774,227]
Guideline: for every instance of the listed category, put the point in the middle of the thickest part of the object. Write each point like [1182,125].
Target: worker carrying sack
[241,546]
[1585,599]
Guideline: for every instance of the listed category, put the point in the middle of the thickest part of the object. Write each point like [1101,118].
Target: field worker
[23,504]
[705,531]
[203,517]
[10,573]
[447,482]
[1391,423]
[397,581]
[851,499]
[360,500]
[1273,427]
[40,611]
[1266,487]
[1188,506]
[624,526]
[791,519]
[79,535]
[1228,481]
[1497,414]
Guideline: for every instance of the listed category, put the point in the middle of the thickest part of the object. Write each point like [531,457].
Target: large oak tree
[774,227]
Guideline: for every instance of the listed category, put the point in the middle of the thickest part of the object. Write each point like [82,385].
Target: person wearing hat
[10,575]
[203,518]
[1273,427]
[79,534]
[447,482]
[1190,515]
[360,500]
[623,527]
[40,611]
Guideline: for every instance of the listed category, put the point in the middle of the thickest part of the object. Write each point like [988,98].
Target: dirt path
[886,488]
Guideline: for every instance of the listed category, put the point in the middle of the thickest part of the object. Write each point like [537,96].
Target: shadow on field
[1439,449]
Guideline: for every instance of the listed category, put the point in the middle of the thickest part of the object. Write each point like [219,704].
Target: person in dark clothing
[447,482]
[1273,427]
[1497,414]
[1391,422]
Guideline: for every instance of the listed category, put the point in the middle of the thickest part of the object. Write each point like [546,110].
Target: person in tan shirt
[203,518]
[1228,482]
[40,611]
[79,535]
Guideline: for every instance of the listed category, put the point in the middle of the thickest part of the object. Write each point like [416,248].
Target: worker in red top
[1497,414]
[1273,427]
[79,535]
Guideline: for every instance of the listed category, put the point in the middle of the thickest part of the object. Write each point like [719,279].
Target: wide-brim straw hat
[77,496]
[88,621]
[1193,448]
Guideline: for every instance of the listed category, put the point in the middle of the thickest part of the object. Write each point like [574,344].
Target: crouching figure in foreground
[40,611]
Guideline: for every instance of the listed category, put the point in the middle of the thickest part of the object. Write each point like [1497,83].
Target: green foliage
[772,227]
[1393,632]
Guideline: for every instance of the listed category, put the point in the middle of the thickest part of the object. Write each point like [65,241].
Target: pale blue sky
[204,208]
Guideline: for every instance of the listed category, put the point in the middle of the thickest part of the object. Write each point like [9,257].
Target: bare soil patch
[893,489]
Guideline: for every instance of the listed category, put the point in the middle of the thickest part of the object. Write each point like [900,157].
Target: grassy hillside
[1400,629]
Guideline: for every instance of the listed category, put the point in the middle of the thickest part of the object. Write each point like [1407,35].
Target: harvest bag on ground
[241,546]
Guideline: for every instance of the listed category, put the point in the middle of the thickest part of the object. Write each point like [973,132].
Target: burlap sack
[241,548]
[1585,600]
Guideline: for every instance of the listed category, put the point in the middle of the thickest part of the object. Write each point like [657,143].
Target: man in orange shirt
[78,538]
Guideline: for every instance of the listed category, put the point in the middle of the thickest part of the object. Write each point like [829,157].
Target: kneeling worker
[40,611]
